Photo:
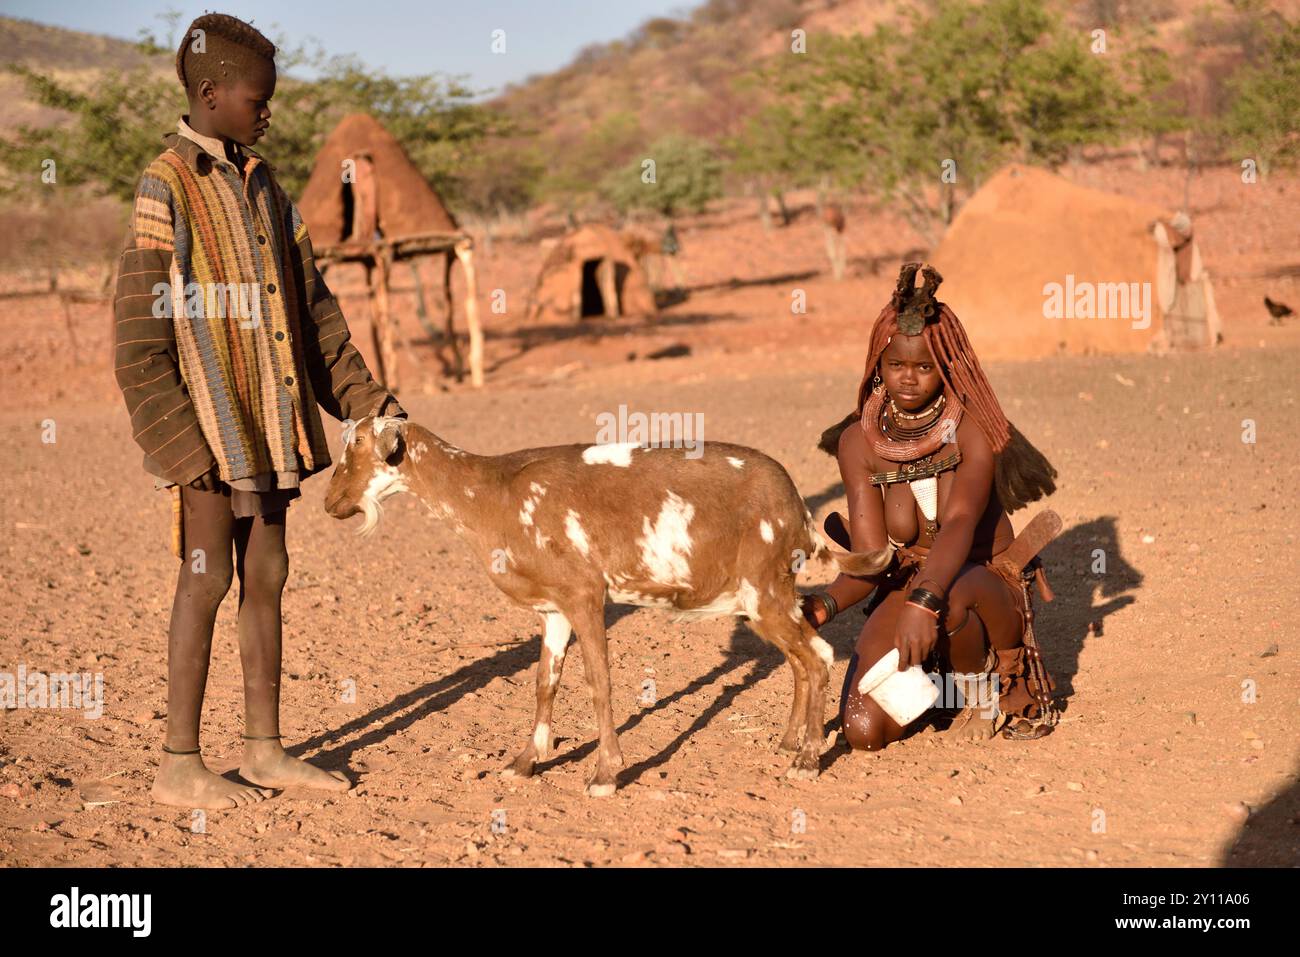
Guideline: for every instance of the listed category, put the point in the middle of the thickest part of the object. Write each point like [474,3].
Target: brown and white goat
[563,529]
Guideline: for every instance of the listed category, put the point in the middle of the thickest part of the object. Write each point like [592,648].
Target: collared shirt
[227,336]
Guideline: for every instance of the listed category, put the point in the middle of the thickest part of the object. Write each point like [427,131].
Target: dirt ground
[1177,670]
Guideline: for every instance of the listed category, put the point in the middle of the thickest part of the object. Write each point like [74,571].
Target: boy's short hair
[230,47]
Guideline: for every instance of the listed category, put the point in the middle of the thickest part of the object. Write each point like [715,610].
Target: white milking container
[904,695]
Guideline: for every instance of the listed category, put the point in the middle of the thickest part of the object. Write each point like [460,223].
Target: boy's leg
[263,567]
[183,780]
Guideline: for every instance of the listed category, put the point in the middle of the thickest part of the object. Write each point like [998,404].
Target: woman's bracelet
[923,608]
[940,593]
[924,598]
[832,609]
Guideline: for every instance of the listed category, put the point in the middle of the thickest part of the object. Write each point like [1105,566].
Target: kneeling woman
[931,467]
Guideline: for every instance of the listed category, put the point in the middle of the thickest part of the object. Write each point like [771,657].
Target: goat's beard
[371,503]
[373,512]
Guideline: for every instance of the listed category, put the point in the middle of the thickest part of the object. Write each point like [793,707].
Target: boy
[227,338]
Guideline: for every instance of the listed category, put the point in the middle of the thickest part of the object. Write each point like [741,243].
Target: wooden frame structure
[379,256]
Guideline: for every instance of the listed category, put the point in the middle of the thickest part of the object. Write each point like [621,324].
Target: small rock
[1091,856]
[670,847]
[1238,811]
[636,857]
[1189,717]
[1269,652]
[955,800]
[1074,785]
[1148,539]
[1257,744]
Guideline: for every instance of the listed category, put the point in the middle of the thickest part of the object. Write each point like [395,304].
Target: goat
[562,529]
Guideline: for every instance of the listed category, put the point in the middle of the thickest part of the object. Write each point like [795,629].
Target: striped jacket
[226,334]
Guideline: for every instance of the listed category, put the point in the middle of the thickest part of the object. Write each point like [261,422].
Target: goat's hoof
[596,790]
[804,768]
[791,742]
[520,767]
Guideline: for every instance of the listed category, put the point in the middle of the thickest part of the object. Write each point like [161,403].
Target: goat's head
[368,470]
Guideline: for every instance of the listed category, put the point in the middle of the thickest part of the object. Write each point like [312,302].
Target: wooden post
[384,320]
[421,308]
[449,316]
[465,253]
[380,373]
[608,288]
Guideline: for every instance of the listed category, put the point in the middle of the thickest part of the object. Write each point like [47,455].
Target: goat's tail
[864,563]
[819,549]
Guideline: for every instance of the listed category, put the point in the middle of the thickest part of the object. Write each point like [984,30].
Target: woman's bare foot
[266,763]
[973,724]
[183,780]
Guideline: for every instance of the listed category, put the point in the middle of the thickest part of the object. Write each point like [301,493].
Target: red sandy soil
[1198,530]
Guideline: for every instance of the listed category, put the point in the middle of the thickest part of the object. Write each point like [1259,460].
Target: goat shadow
[339,747]
[744,647]
[1084,564]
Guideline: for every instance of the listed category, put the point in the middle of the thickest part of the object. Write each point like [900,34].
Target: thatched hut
[590,273]
[366,202]
[1035,265]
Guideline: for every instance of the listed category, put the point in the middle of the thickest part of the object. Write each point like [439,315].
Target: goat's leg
[794,728]
[589,623]
[555,641]
[816,656]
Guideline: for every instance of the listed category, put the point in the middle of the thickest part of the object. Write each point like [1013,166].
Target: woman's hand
[915,636]
[813,610]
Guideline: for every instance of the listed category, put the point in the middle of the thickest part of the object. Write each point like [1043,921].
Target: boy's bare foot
[183,780]
[266,763]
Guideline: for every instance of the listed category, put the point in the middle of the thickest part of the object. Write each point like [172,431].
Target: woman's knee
[860,730]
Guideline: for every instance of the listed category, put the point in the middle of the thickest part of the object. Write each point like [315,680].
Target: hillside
[72,57]
[679,75]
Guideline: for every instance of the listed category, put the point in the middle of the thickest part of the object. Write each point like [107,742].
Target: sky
[402,37]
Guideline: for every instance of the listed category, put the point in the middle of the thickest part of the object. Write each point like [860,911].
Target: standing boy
[227,339]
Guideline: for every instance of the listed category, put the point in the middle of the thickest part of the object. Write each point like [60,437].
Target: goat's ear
[388,443]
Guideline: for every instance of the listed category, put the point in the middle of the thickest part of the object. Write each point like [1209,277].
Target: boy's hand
[389,407]
[207,482]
